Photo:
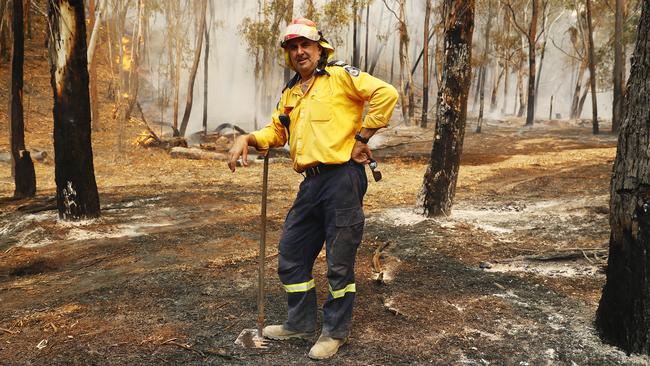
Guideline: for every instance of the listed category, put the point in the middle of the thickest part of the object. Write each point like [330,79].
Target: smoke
[231,90]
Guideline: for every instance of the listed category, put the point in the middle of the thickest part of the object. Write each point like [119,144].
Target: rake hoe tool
[252,338]
[376,174]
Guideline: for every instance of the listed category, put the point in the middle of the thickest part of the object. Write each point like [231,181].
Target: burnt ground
[167,275]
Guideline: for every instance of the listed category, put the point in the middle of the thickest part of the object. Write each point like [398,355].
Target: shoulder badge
[352,70]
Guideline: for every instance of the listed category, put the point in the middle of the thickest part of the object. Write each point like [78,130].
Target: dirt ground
[168,273]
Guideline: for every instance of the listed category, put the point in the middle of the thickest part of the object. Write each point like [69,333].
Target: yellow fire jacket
[325,118]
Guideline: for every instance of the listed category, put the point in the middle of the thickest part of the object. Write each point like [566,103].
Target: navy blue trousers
[328,209]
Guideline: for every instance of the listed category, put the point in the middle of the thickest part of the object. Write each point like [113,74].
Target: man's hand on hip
[361,153]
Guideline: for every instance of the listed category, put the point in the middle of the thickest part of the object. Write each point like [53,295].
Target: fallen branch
[9,331]
[146,124]
[558,255]
[184,346]
[401,144]
[239,260]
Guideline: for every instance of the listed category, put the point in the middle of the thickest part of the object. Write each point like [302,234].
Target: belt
[322,168]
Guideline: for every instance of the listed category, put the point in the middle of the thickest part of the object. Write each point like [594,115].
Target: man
[328,145]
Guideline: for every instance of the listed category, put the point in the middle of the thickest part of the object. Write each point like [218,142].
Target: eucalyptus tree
[425,65]
[439,186]
[484,64]
[407,95]
[622,318]
[21,162]
[261,36]
[592,69]
[201,9]
[531,38]
[76,189]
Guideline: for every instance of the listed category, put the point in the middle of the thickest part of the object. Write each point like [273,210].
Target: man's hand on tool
[240,149]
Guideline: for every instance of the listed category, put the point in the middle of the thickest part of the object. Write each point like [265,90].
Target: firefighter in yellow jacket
[328,144]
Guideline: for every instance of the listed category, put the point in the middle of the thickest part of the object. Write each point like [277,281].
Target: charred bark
[622,317]
[440,179]
[76,189]
[23,167]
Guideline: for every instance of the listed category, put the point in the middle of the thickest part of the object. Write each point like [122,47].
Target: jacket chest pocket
[320,111]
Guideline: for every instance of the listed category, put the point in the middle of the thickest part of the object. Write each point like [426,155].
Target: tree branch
[391,10]
[563,51]
[513,20]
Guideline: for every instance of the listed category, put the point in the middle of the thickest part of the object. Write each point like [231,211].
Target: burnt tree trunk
[206,62]
[622,317]
[21,162]
[532,41]
[76,189]
[592,71]
[440,179]
[617,107]
[195,66]
[425,66]
[481,81]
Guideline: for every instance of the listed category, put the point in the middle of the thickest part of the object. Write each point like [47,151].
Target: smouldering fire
[126,55]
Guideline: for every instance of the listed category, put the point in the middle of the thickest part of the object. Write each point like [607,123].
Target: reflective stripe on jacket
[325,119]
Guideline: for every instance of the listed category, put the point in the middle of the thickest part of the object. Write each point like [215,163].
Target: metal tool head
[248,338]
[376,174]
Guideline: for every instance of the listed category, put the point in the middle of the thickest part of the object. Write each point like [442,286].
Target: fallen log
[196,154]
[560,255]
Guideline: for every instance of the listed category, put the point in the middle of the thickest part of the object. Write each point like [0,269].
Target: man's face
[304,55]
